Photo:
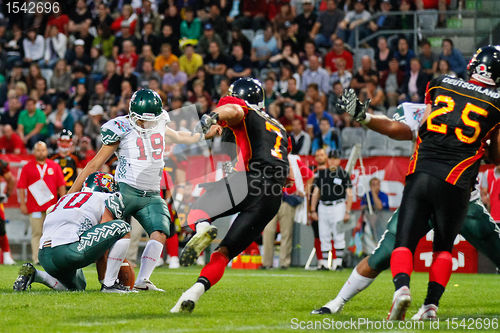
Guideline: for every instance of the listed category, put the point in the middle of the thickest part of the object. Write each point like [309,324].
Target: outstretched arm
[189,137]
[99,159]
[392,128]
[378,123]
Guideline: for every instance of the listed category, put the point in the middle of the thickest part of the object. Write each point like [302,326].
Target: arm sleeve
[114,130]
[114,204]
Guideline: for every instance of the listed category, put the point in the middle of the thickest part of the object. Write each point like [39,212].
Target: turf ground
[253,301]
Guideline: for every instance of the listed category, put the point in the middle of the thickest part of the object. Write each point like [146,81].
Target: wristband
[367,119]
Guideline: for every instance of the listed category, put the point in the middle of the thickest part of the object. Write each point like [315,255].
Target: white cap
[79,42]
[96,110]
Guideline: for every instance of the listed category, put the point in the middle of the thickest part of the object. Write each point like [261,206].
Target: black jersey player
[460,117]
[261,168]
[65,158]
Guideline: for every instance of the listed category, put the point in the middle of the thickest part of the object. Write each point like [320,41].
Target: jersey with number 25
[140,156]
[451,141]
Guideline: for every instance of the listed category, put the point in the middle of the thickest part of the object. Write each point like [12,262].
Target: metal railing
[419,30]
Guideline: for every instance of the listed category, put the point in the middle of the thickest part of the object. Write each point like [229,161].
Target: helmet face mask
[99,182]
[251,91]
[484,66]
[145,110]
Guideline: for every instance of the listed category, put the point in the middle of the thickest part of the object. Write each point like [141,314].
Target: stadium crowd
[79,67]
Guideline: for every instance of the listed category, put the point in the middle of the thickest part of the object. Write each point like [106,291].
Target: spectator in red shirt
[128,56]
[289,116]
[128,16]
[254,15]
[40,183]
[11,142]
[59,20]
[338,51]
[85,151]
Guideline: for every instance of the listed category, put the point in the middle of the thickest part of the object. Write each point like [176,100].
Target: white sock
[194,293]
[149,258]
[48,280]
[115,259]
[355,284]
[200,227]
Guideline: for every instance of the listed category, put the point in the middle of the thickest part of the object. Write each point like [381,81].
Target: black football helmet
[485,65]
[251,91]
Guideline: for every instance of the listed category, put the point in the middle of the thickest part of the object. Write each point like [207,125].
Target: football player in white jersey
[479,229]
[138,139]
[79,230]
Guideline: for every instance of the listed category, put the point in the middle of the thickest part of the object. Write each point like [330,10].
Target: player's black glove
[350,103]
[3,197]
[206,121]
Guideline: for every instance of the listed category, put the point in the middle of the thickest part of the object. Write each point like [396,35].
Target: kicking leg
[245,229]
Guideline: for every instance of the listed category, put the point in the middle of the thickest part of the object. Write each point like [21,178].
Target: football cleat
[184,304]
[426,312]
[199,242]
[116,288]
[321,311]
[146,285]
[400,304]
[26,277]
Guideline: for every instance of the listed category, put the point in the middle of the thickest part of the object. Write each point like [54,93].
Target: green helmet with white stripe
[145,110]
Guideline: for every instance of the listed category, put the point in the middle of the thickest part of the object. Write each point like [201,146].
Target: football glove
[3,197]
[206,121]
[350,103]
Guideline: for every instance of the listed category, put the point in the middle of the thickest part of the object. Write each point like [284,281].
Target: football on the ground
[126,276]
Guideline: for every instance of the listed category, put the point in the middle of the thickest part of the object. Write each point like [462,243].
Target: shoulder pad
[114,130]
[114,204]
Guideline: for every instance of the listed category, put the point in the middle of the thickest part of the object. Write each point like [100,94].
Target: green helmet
[99,182]
[146,107]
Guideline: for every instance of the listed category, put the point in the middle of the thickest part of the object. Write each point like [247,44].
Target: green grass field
[253,301]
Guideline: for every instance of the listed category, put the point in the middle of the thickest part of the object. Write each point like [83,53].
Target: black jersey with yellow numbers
[262,142]
[451,141]
[69,166]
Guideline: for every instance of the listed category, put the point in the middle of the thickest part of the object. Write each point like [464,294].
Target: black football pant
[260,204]
[427,197]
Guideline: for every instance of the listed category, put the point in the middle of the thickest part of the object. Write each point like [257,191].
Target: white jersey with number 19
[140,156]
